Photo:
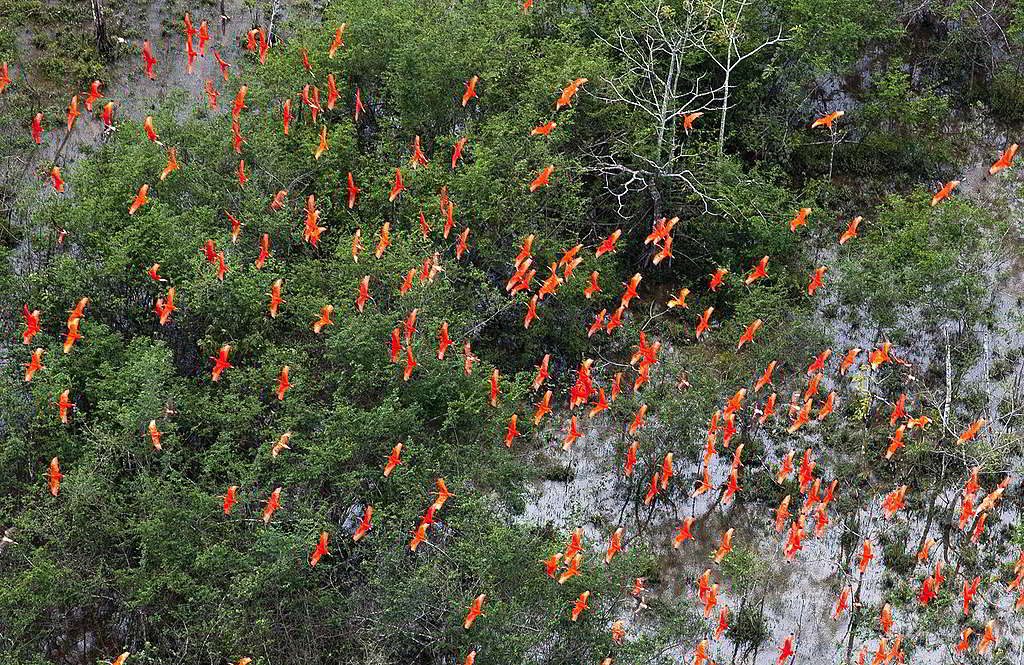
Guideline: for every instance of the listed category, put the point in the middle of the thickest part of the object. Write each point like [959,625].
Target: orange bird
[748,334]
[816,280]
[229,499]
[880,355]
[147,125]
[147,56]
[140,200]
[716,278]
[946,190]
[5,77]
[592,287]
[457,152]
[972,431]
[359,104]
[325,318]
[443,341]
[571,435]
[545,129]
[463,243]
[580,605]
[319,550]
[273,503]
[766,377]
[664,253]
[688,120]
[630,291]
[615,546]
[758,272]
[31,324]
[58,183]
[470,90]
[282,383]
[364,525]
[338,41]
[1002,163]
[54,476]
[827,120]
[531,312]
[475,609]
[468,358]
[988,638]
[154,434]
[72,334]
[236,226]
[224,66]
[542,178]
[385,239]
[725,547]
[73,112]
[819,362]
[394,459]
[703,322]
[684,533]
[397,188]
[565,99]
[867,554]
[895,442]
[221,362]
[172,163]
[679,300]
[608,244]
[542,407]
[786,650]
[800,219]
[630,460]
[353,191]
[275,297]
[851,230]
[94,93]
[35,364]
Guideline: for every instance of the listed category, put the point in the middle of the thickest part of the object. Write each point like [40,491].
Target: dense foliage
[135,552]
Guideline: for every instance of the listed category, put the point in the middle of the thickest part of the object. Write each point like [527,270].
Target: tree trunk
[725,98]
[102,41]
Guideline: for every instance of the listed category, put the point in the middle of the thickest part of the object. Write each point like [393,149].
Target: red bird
[545,129]
[282,383]
[319,550]
[827,120]
[716,278]
[946,190]
[457,153]
[539,181]
[397,188]
[221,362]
[816,280]
[394,459]
[703,322]
[475,610]
[37,128]
[800,219]
[229,499]
[273,503]
[786,650]
[364,525]
[565,99]
[851,230]
[748,334]
[147,56]
[470,90]
[608,244]
[54,475]
[34,365]
[1002,163]
[758,272]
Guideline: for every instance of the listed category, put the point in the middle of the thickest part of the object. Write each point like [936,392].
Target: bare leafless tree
[663,55]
